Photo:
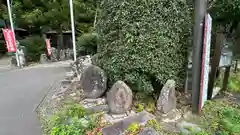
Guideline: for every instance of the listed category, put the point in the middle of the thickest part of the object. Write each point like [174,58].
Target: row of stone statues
[64,54]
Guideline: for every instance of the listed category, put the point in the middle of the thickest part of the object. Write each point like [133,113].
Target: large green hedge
[144,42]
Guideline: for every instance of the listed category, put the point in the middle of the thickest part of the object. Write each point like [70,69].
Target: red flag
[9,39]
[48,44]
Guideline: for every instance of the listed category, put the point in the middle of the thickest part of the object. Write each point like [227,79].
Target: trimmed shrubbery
[144,43]
[35,46]
[87,44]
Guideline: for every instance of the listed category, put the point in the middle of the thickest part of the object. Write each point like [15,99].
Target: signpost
[226,57]
[48,45]
[73,30]
[11,22]
[9,39]
[200,8]
[205,61]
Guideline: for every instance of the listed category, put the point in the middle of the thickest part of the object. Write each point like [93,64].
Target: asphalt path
[21,90]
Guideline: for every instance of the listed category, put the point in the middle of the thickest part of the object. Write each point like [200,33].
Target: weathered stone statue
[119,98]
[43,59]
[54,54]
[93,82]
[167,100]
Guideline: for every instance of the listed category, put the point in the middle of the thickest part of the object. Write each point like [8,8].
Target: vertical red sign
[9,39]
[205,61]
[48,45]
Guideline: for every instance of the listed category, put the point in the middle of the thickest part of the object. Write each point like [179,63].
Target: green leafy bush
[144,42]
[70,120]
[87,44]
[35,46]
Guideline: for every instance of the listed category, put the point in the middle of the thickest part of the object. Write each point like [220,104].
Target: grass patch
[221,117]
[72,119]
[233,82]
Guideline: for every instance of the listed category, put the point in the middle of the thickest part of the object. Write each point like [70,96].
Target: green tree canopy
[226,13]
[51,14]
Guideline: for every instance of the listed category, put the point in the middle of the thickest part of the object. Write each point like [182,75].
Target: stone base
[118,128]
[172,116]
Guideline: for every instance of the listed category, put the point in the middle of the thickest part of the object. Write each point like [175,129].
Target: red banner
[48,45]
[9,39]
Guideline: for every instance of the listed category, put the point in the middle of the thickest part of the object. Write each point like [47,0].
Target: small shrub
[139,107]
[154,124]
[87,44]
[35,46]
[133,129]
[71,121]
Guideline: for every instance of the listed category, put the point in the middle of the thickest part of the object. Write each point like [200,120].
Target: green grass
[221,117]
[233,82]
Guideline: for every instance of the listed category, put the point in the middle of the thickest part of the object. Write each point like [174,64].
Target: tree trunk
[236,66]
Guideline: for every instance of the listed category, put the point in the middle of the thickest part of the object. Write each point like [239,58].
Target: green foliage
[230,120]
[225,12]
[144,42]
[35,46]
[51,14]
[234,82]
[221,117]
[154,124]
[140,107]
[151,107]
[71,121]
[134,127]
[87,44]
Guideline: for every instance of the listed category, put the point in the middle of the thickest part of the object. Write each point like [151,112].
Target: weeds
[71,120]
[222,118]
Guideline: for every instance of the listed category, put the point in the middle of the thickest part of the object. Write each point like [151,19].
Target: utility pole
[11,23]
[73,30]
[200,8]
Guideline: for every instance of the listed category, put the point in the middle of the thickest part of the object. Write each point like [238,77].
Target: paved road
[20,93]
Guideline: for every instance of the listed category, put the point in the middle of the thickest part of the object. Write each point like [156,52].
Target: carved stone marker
[62,54]
[68,54]
[167,99]
[148,131]
[54,54]
[43,59]
[13,61]
[93,82]
[119,98]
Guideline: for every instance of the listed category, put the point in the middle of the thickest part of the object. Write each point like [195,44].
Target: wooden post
[215,63]
[226,76]
[200,8]
[236,66]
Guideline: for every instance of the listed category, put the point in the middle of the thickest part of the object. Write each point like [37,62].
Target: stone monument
[93,82]
[119,98]
[167,100]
